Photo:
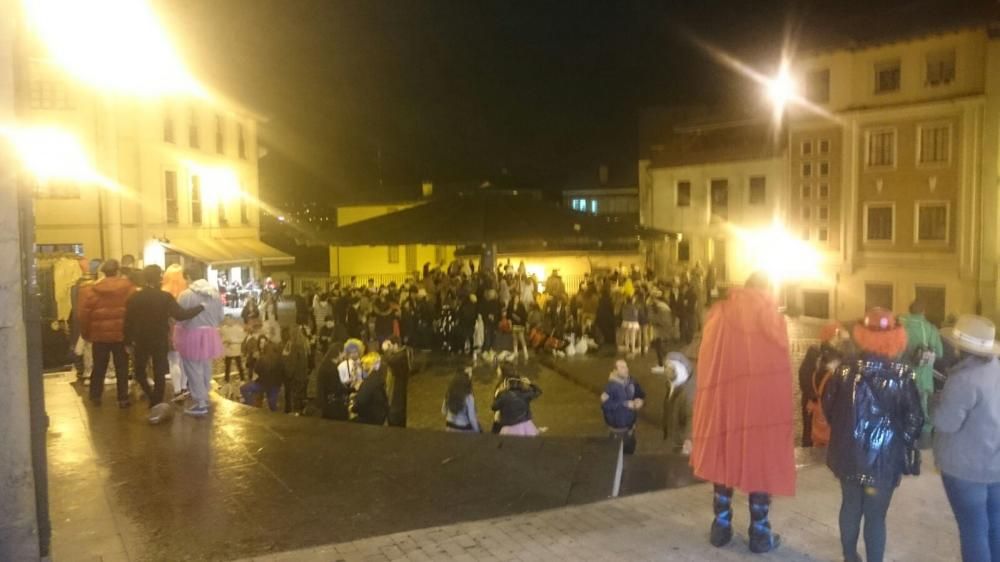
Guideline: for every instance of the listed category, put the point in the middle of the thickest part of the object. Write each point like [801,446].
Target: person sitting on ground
[370,404]
[459,407]
[513,403]
[621,401]
[270,373]
[873,408]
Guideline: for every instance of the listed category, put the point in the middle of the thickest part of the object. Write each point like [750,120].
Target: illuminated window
[220,134]
[818,85]
[168,125]
[887,76]
[935,144]
[879,219]
[195,200]
[684,193]
[170,195]
[940,68]
[194,135]
[932,222]
[241,141]
[881,148]
[593,206]
[758,190]
[393,254]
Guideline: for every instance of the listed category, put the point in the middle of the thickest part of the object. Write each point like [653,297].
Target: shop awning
[229,251]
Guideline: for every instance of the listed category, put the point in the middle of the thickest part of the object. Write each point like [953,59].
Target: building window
[824,146]
[195,200]
[878,295]
[933,299]
[684,194]
[684,251]
[758,190]
[932,222]
[940,68]
[393,254]
[824,169]
[807,148]
[807,169]
[579,205]
[818,85]
[222,214]
[170,195]
[56,189]
[822,234]
[816,304]
[47,91]
[806,213]
[887,76]
[244,211]
[194,135]
[719,191]
[879,219]
[824,191]
[168,125]
[220,134]
[241,141]
[881,148]
[934,144]
[593,206]
[806,191]
[823,213]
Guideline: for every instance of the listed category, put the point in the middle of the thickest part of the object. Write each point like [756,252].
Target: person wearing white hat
[967,437]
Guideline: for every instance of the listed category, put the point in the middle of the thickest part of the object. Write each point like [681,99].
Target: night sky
[532,93]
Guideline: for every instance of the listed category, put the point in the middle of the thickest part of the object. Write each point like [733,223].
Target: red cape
[743,430]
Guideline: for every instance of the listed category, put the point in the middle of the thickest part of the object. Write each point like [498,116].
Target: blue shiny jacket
[873,408]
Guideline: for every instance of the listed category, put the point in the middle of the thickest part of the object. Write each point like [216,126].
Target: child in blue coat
[621,401]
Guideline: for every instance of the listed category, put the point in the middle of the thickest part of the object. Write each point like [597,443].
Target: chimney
[427,189]
[602,174]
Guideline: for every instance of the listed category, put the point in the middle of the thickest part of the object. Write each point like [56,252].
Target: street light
[782,256]
[115,46]
[51,154]
[781,89]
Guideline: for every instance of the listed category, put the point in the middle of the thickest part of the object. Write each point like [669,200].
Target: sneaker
[197,410]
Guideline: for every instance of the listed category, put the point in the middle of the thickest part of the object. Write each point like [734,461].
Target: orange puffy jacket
[102,309]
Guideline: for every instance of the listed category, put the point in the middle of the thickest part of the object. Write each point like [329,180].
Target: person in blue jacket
[621,401]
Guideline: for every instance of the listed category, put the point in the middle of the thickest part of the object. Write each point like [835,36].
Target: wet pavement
[245,481]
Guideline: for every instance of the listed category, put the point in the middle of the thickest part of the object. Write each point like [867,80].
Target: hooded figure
[742,434]
[677,403]
[198,340]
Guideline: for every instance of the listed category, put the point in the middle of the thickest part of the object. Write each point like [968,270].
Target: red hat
[878,333]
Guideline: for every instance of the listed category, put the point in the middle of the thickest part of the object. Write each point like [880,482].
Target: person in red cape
[743,428]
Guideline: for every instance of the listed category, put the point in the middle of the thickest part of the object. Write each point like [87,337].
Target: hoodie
[102,309]
[202,292]
[614,402]
[678,402]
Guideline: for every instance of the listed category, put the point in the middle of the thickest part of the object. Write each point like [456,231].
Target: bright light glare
[115,45]
[52,154]
[779,254]
[219,183]
[781,89]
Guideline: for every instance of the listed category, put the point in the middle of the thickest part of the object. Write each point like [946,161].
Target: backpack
[820,426]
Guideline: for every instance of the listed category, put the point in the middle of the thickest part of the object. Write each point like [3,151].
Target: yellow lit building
[181,172]
[382,263]
[895,178]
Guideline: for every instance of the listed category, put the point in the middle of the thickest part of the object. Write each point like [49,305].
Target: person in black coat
[820,360]
[397,358]
[147,328]
[606,316]
[370,404]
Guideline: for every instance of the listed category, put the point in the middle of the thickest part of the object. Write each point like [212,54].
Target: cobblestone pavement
[669,526]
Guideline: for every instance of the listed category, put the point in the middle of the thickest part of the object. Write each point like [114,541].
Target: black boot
[722,525]
[761,538]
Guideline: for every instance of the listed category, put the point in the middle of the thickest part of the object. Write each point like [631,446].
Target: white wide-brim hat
[973,334]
